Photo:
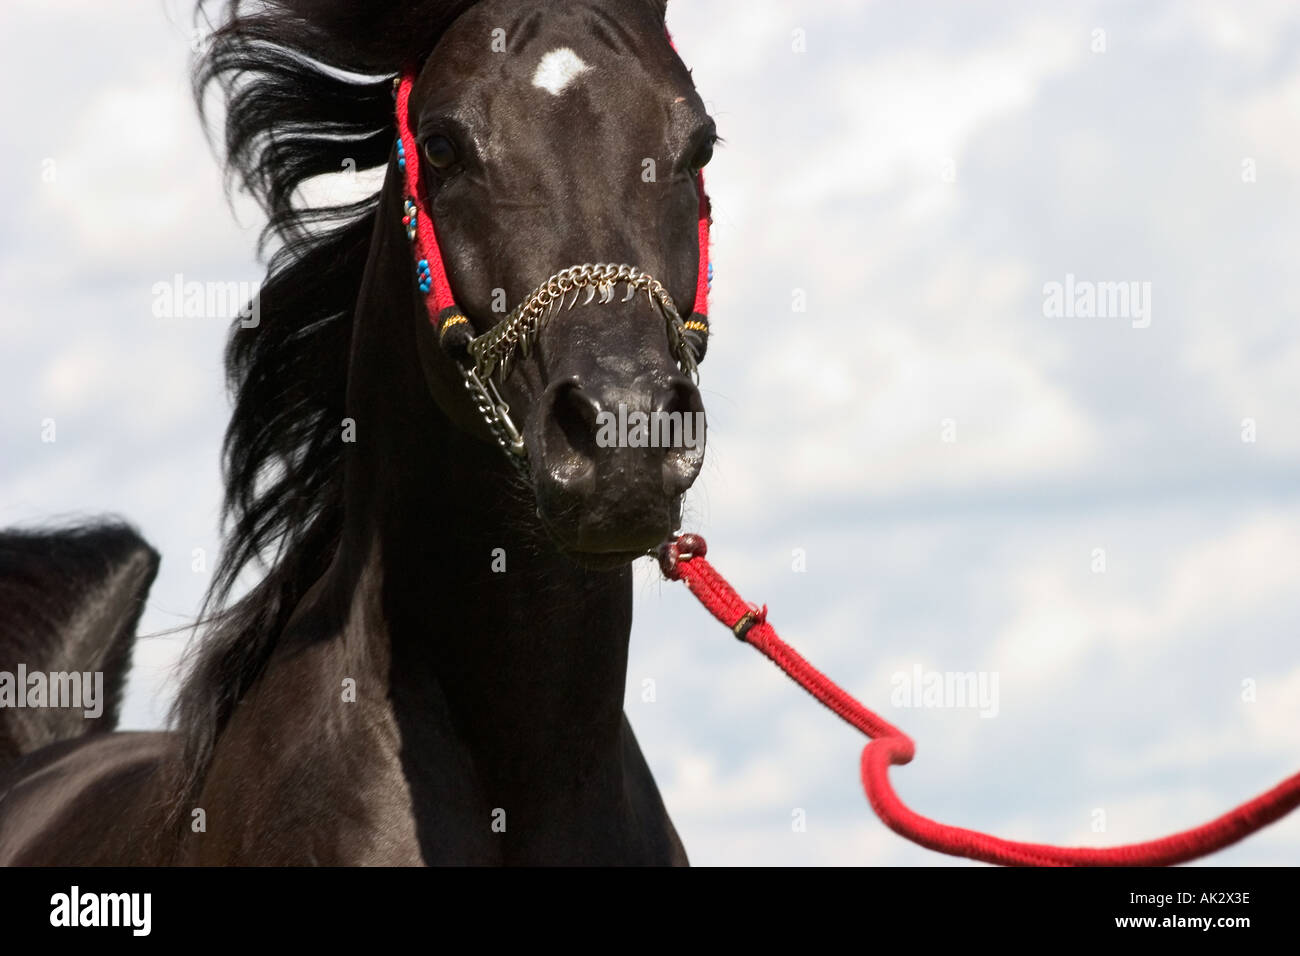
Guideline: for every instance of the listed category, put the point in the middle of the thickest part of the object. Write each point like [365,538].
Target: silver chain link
[496,413]
[497,349]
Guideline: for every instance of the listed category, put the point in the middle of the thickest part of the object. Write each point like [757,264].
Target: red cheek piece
[697,326]
[430,271]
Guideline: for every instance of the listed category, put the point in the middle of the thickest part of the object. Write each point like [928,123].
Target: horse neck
[481,617]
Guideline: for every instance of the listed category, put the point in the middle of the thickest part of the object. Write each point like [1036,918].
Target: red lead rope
[683,560]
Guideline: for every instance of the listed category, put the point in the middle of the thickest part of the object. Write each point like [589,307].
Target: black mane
[307,86]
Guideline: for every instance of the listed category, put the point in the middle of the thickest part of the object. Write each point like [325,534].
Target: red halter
[431,270]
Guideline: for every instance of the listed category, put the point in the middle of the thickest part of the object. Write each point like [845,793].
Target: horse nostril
[574,419]
[681,398]
[621,433]
[575,412]
[682,462]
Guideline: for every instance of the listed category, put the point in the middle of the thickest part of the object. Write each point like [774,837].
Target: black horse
[432,668]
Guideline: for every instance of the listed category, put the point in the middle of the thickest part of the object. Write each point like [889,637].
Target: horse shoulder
[308,771]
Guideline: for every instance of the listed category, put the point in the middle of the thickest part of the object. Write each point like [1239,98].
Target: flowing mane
[307,87]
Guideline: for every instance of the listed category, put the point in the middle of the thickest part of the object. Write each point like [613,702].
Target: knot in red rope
[682,548]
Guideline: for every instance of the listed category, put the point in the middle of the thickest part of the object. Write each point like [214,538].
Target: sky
[917,462]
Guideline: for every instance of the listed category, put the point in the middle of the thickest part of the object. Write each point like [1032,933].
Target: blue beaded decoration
[412,214]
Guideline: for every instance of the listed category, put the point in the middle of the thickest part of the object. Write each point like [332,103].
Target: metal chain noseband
[497,348]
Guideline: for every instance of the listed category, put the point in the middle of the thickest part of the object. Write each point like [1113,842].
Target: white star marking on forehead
[557,70]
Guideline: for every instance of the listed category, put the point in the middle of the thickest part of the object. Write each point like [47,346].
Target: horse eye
[702,156]
[440,152]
